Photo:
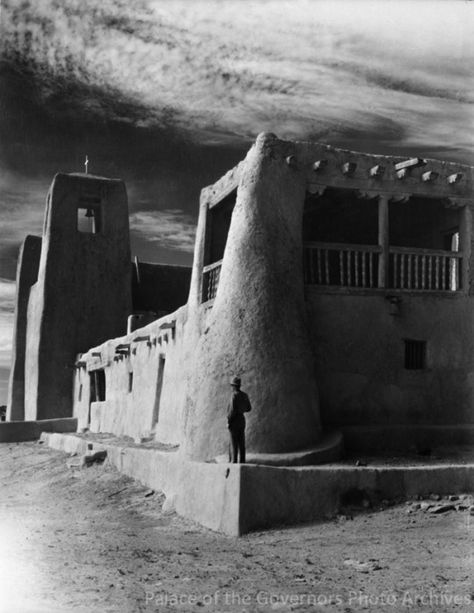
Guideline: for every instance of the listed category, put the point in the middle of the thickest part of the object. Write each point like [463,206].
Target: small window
[415,355]
[130,382]
[79,396]
[89,215]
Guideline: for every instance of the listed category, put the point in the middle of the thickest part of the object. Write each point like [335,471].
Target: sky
[169,94]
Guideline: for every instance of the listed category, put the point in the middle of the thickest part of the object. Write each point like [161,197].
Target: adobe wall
[26,276]
[132,412]
[359,348]
[83,292]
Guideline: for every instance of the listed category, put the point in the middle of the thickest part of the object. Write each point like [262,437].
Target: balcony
[362,267]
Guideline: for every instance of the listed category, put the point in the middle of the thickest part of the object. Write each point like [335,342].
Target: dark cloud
[163,167]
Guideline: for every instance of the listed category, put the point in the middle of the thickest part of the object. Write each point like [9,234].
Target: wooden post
[383,241]
[465,247]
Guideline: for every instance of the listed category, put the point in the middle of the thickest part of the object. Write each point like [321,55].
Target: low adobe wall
[17,431]
[154,351]
[206,493]
[271,496]
[239,498]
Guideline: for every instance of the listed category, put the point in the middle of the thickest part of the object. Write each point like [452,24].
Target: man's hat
[235,381]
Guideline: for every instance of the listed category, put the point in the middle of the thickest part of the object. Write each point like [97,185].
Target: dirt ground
[91,540]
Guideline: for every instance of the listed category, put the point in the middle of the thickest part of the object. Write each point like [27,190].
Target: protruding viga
[257,328]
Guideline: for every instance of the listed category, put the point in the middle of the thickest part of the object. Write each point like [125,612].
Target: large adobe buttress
[258,325]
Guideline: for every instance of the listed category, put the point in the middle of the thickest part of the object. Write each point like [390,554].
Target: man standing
[238,405]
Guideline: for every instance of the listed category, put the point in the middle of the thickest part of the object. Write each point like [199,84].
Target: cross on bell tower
[86,164]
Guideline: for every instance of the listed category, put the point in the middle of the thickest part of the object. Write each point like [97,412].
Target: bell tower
[83,293]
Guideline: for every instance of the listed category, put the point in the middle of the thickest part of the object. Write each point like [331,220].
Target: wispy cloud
[7,305]
[6,334]
[7,295]
[296,68]
[169,229]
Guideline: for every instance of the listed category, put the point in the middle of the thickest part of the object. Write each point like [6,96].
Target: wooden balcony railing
[210,280]
[341,264]
[424,269]
[358,266]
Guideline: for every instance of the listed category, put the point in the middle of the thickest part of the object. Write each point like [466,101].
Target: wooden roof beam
[410,164]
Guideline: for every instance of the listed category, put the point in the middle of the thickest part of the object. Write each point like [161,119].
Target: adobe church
[338,285]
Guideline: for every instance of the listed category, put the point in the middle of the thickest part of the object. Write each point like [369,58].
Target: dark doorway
[97,385]
[97,389]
